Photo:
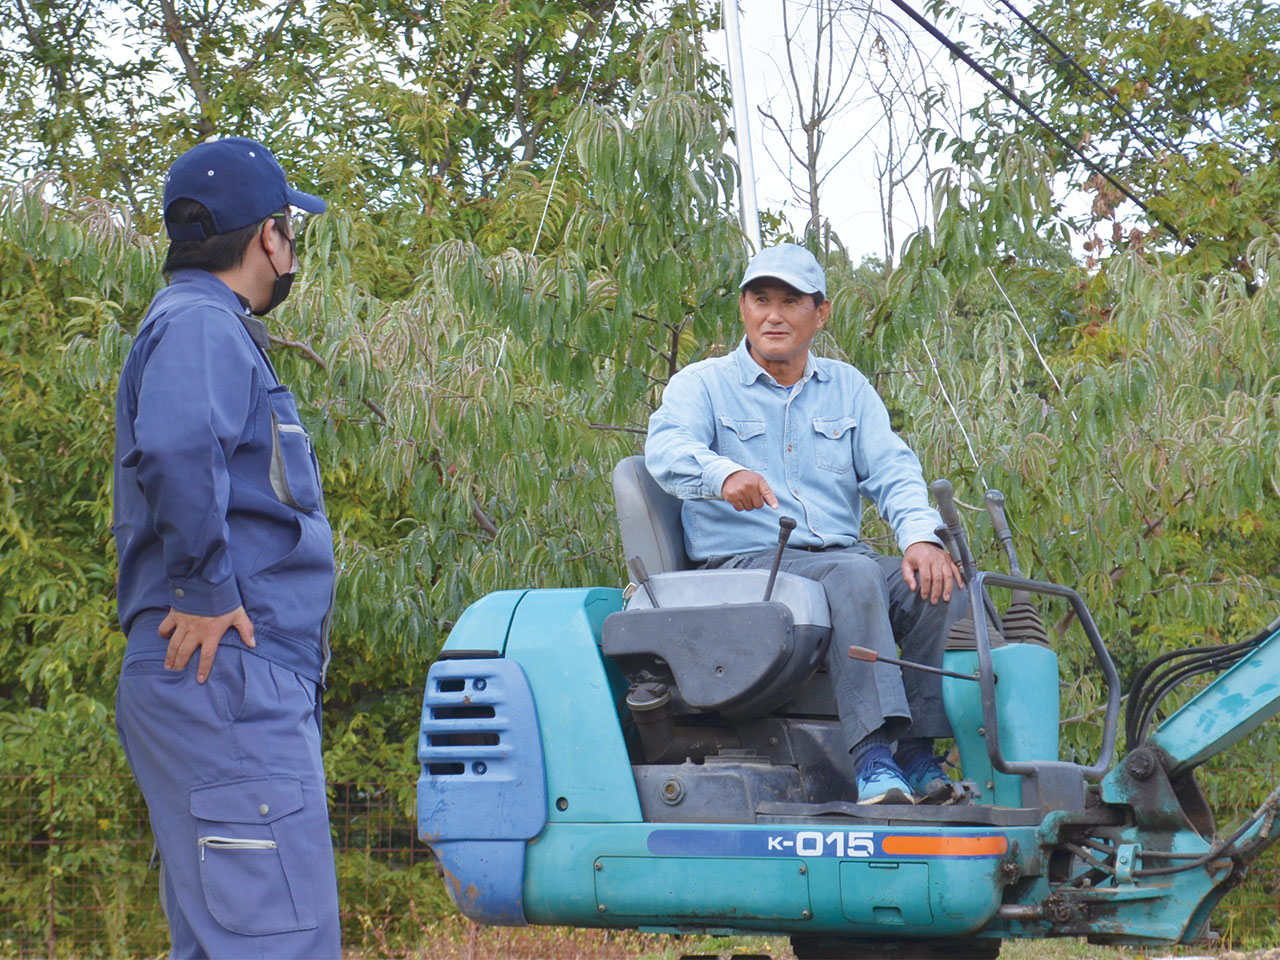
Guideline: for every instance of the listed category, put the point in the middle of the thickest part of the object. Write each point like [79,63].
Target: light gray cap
[792,264]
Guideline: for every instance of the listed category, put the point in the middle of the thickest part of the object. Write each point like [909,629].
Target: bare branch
[483,520]
[609,426]
[304,348]
[377,410]
[177,34]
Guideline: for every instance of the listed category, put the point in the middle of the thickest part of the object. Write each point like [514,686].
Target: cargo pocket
[254,874]
[744,442]
[833,443]
[295,477]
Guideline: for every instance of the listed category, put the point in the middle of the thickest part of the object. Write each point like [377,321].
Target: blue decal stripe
[841,844]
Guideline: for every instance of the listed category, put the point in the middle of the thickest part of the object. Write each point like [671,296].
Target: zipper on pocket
[234,843]
[295,428]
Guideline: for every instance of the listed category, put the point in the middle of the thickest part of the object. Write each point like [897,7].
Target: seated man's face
[780,322]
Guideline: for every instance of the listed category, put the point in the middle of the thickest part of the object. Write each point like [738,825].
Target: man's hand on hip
[747,490]
[186,632]
[929,569]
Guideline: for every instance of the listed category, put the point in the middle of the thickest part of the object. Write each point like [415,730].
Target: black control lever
[945,494]
[785,526]
[1000,523]
[642,577]
[1022,620]
[943,533]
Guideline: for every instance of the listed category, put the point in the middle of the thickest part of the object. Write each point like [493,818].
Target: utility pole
[742,123]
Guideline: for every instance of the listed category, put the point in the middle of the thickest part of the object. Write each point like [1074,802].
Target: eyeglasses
[297,223]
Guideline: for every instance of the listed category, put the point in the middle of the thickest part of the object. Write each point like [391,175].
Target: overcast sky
[859,136]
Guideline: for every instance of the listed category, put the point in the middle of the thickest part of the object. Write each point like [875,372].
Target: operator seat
[648,518]
[708,634]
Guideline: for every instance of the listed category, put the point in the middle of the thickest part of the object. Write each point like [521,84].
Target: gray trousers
[871,605]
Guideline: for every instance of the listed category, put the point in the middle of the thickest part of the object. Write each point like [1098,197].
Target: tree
[1172,99]
[466,430]
[847,65]
[442,122]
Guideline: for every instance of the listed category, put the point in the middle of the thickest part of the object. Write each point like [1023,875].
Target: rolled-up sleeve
[191,413]
[678,451]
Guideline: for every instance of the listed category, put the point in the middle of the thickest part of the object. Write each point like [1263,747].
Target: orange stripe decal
[918,846]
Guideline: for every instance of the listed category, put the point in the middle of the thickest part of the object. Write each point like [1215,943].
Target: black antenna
[1009,92]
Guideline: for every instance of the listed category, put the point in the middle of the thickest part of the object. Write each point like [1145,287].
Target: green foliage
[1179,108]
[468,394]
[438,122]
[466,429]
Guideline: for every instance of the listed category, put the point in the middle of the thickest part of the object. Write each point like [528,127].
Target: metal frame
[982,641]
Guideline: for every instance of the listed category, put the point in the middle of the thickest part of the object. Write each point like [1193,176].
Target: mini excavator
[668,759]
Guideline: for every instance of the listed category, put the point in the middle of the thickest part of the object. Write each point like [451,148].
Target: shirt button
[178,593]
[264,809]
[790,448]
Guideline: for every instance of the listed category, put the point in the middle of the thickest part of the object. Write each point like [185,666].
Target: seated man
[772,425]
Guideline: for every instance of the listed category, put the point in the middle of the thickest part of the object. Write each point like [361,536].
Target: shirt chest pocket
[833,443]
[295,477]
[744,442]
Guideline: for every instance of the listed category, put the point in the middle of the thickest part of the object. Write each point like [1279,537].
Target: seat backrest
[649,518]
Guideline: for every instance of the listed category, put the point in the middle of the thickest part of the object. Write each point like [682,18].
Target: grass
[455,938]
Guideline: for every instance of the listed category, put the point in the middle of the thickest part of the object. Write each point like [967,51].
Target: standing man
[226,576]
[771,425]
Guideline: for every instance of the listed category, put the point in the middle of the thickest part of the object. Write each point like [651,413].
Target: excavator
[668,758]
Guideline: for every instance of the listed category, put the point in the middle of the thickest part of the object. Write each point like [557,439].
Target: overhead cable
[595,62]
[1012,95]
[1067,58]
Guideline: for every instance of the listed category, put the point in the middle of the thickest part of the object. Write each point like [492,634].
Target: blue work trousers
[234,783]
[872,606]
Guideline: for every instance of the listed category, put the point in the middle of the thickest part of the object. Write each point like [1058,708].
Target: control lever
[785,526]
[638,571]
[1022,620]
[870,656]
[945,494]
[943,533]
[995,507]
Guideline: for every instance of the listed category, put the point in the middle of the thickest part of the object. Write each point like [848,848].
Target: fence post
[53,934]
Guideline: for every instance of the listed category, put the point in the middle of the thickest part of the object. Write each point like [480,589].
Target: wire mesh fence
[78,876]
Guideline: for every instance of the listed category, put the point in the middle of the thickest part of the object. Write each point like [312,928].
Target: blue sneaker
[880,780]
[927,780]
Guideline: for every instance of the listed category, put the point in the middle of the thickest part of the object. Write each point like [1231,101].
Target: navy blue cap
[237,180]
[792,264]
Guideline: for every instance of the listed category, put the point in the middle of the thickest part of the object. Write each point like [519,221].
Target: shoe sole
[892,795]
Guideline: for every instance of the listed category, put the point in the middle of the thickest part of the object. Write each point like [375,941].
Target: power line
[1126,115]
[595,62]
[1012,95]
[1067,58]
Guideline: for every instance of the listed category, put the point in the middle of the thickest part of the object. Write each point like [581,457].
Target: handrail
[986,678]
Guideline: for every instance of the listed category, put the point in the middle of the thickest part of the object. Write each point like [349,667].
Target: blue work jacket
[821,444]
[217,489]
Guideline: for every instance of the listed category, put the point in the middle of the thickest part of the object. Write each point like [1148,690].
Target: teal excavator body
[671,762]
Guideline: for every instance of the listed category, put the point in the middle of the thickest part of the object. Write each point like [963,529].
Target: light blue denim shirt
[822,446]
